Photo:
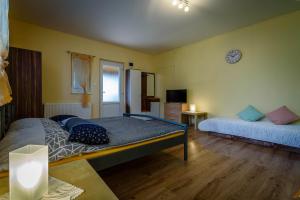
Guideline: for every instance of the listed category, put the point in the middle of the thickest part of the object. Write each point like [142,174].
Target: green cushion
[250,114]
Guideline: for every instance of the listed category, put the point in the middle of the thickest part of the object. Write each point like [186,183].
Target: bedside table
[186,115]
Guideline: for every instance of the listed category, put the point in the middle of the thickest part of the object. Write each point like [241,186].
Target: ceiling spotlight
[186,9]
[180,5]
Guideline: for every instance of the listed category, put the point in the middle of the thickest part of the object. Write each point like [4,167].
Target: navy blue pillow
[59,118]
[86,132]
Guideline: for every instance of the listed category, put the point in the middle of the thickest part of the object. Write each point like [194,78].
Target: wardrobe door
[25,76]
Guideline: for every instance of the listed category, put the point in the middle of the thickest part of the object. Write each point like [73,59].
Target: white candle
[28,172]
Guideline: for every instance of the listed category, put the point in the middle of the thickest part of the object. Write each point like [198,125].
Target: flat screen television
[176,96]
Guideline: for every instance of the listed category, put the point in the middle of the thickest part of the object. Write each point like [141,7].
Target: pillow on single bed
[250,114]
[60,118]
[86,132]
[282,116]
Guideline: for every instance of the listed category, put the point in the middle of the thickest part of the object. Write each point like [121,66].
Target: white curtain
[5,90]
[81,73]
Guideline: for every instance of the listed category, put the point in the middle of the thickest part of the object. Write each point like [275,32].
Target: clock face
[233,56]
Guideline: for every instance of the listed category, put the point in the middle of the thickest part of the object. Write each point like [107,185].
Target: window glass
[111,83]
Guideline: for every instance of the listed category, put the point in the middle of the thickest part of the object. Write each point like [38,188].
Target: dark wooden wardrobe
[25,76]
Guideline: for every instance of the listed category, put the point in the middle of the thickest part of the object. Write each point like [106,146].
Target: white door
[111,89]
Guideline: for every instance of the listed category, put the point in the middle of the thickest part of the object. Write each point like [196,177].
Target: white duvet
[262,130]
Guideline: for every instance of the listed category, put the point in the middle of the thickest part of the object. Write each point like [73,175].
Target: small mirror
[150,85]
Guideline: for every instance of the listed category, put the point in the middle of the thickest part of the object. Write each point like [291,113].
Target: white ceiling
[151,26]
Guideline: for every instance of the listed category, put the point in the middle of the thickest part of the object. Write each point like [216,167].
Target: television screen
[176,96]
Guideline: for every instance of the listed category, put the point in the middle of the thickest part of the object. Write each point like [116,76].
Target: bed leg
[185,147]
[185,151]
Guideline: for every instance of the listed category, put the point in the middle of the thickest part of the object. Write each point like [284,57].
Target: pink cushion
[282,116]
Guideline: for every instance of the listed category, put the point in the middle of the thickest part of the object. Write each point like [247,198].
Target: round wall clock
[233,56]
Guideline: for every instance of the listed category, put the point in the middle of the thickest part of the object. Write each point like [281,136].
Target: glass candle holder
[28,172]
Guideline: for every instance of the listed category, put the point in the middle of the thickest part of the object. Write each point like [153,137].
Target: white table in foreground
[195,115]
[80,174]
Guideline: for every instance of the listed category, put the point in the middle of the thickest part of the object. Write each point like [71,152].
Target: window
[81,72]
[5,90]
[111,83]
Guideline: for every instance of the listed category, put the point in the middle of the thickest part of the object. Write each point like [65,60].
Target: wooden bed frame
[106,158]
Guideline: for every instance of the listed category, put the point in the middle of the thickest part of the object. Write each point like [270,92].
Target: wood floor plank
[217,169]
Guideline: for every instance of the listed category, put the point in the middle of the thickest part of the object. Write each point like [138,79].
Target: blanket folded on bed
[21,133]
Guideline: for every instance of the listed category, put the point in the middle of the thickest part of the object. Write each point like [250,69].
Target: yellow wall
[267,77]
[56,62]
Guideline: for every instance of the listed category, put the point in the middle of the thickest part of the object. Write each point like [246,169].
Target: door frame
[122,85]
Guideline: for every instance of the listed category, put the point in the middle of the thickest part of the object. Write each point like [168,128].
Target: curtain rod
[70,52]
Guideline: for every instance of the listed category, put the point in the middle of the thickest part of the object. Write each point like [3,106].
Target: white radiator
[51,109]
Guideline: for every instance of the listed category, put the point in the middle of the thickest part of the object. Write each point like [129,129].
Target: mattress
[121,131]
[264,130]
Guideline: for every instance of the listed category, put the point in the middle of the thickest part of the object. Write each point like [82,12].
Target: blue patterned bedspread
[120,130]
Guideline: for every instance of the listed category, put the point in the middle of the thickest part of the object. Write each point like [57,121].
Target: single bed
[264,131]
[130,138]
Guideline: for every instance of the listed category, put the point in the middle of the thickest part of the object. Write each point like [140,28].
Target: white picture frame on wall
[81,69]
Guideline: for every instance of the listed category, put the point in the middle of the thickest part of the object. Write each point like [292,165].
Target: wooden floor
[217,169]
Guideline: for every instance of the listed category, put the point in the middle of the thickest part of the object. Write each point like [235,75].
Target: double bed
[131,136]
[287,136]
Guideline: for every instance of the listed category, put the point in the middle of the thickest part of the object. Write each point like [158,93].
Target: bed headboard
[7,115]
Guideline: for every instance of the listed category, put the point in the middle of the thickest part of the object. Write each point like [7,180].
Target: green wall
[267,76]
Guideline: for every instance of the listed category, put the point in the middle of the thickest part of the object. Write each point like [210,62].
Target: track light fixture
[181,4]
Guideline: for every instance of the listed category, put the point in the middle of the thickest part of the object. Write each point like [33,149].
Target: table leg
[195,122]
